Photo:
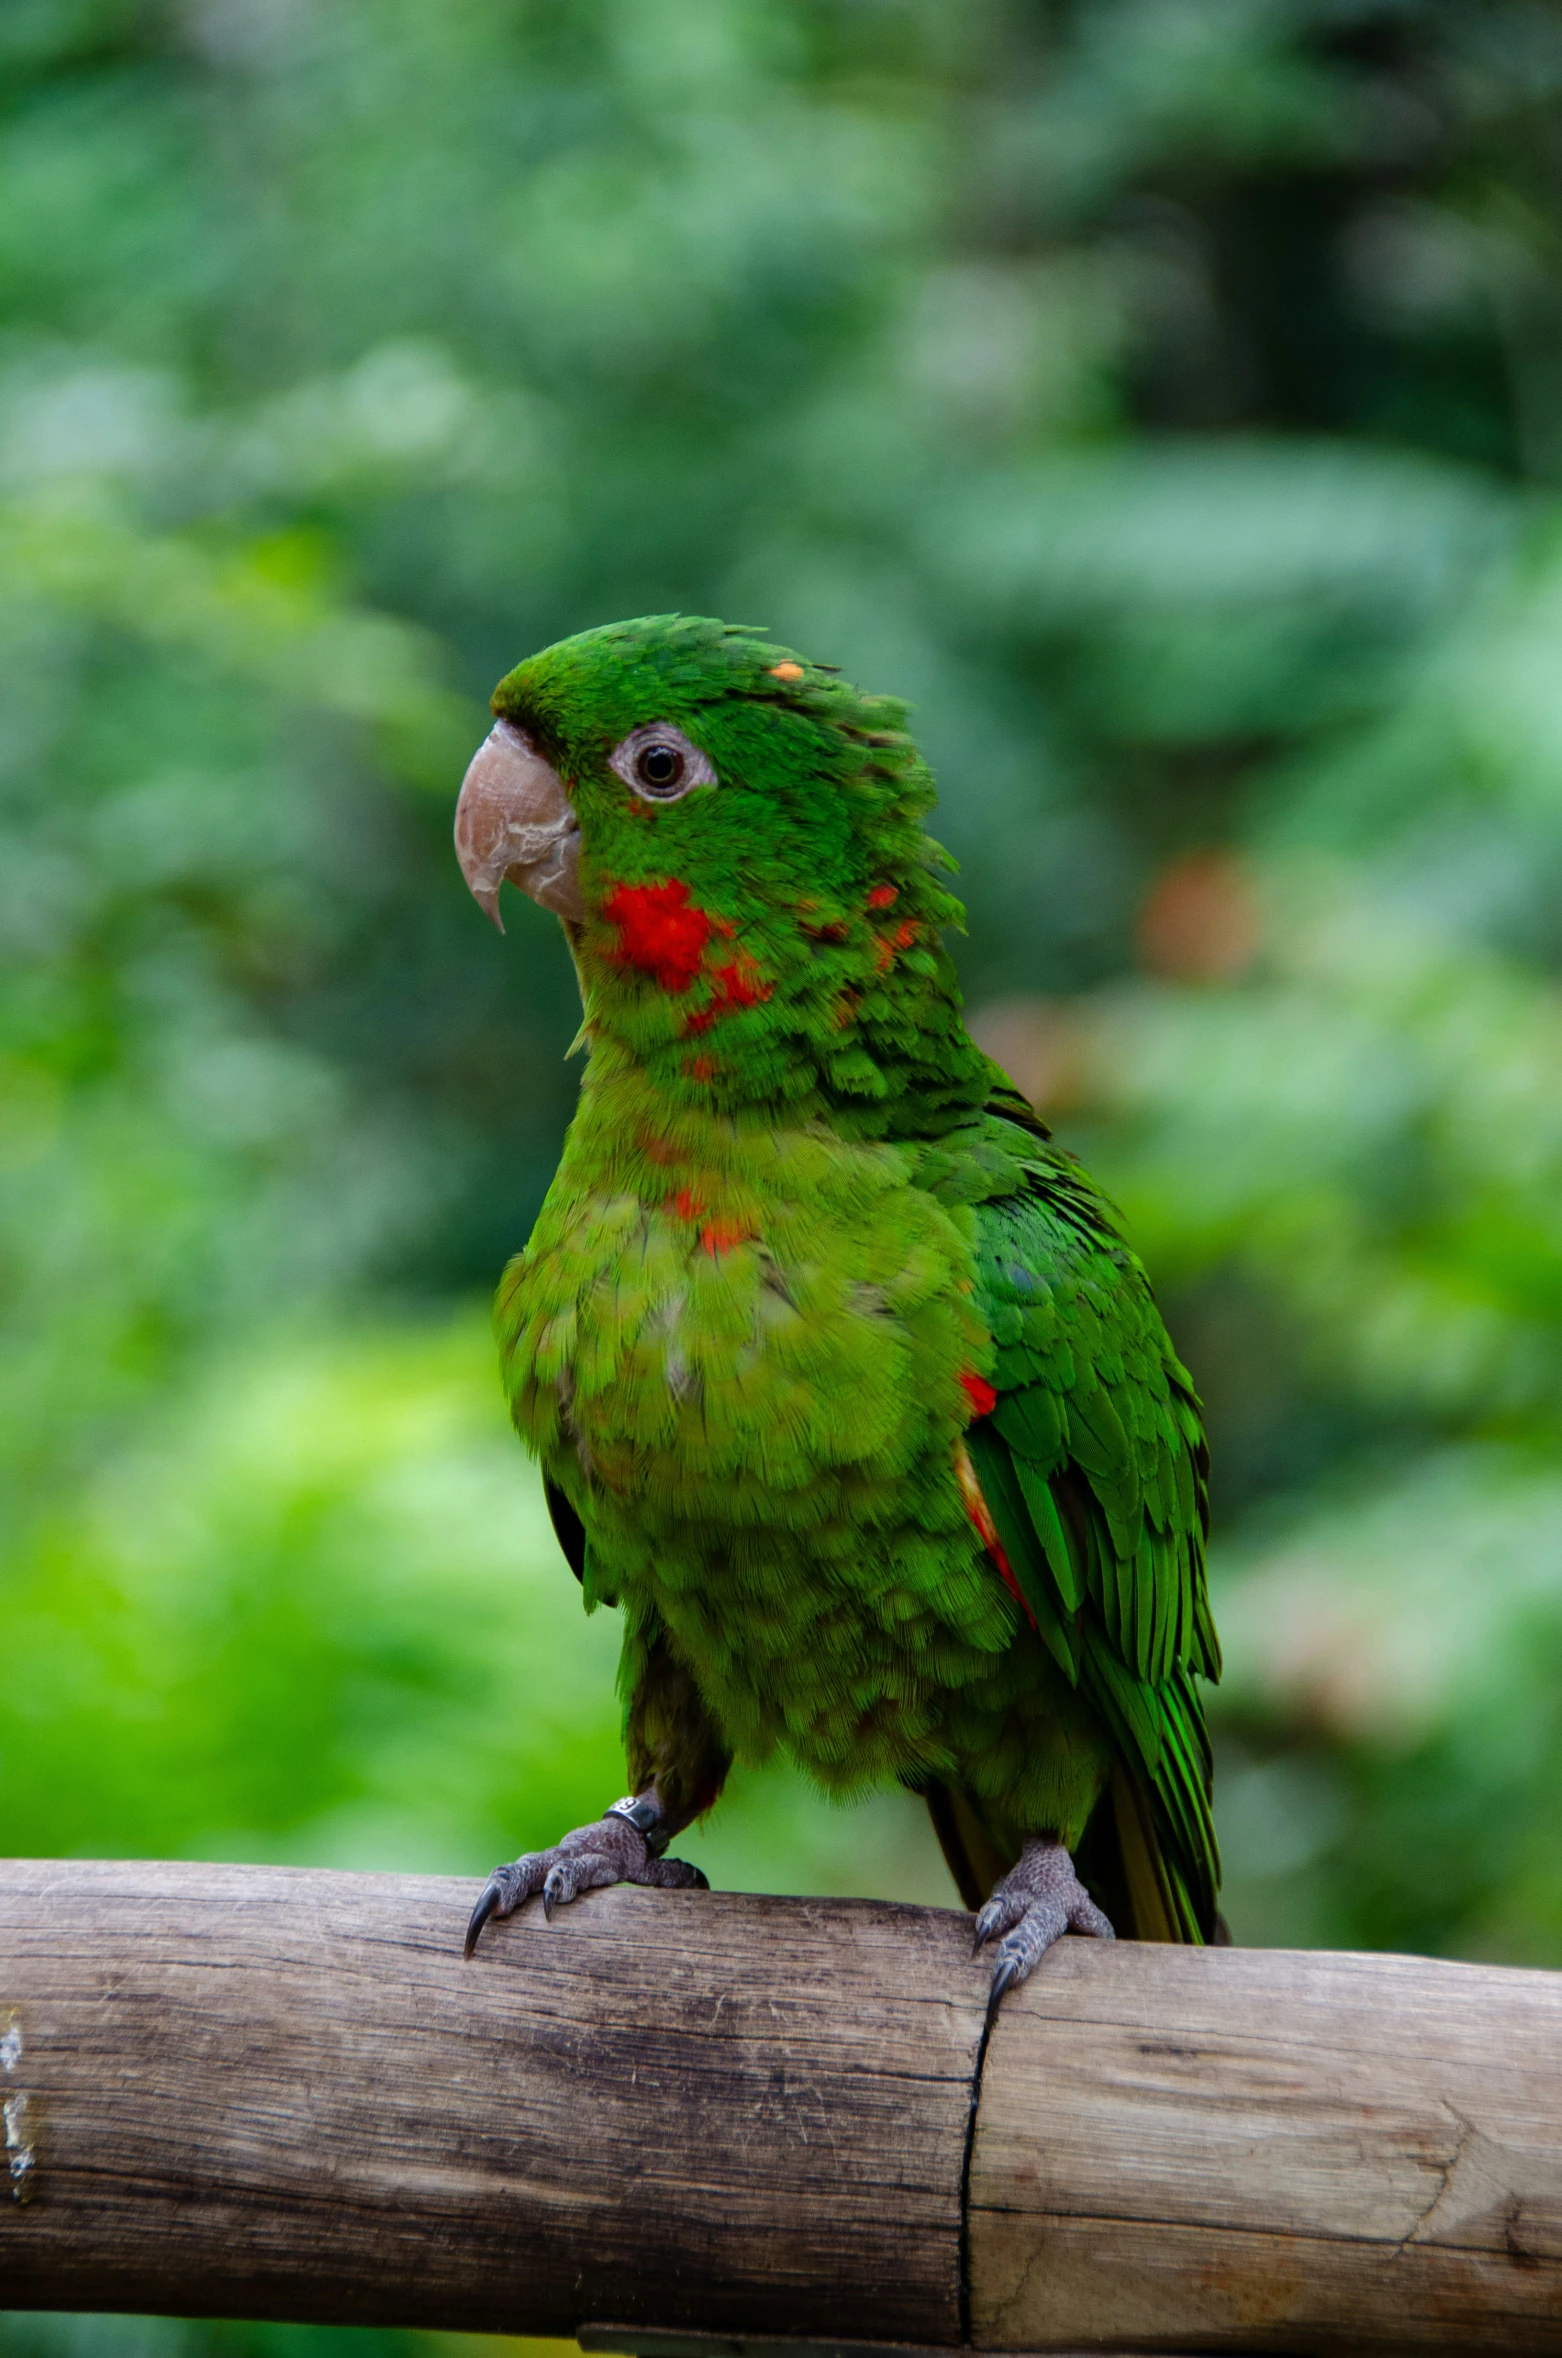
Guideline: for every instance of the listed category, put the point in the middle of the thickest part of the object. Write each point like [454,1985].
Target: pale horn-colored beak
[514,819]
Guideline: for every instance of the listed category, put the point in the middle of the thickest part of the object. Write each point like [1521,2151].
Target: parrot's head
[734,840]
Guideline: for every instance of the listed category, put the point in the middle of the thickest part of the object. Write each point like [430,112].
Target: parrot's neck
[886,1056]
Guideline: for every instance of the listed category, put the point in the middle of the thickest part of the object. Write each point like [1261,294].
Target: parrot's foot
[621,1847]
[1036,1903]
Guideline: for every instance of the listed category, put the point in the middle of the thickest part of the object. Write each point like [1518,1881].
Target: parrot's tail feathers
[970,1853]
[1159,1904]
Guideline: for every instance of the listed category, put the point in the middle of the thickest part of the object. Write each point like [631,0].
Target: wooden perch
[255,2092]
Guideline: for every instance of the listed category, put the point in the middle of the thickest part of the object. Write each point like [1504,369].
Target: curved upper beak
[514,819]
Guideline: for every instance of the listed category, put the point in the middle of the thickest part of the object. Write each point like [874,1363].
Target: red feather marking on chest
[734,986]
[722,1233]
[724,1236]
[661,932]
[986,1529]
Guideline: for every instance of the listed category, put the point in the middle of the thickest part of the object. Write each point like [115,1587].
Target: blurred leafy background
[1167,396]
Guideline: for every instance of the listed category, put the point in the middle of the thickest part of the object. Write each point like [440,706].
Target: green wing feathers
[1095,1471]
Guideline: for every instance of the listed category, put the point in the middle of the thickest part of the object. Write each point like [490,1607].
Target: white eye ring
[659,764]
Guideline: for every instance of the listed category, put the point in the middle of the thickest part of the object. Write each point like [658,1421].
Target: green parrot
[848,1392]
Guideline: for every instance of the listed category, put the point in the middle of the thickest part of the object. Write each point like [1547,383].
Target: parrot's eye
[660,764]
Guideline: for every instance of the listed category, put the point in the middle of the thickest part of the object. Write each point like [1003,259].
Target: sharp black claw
[1005,1974]
[488,1900]
[701,1880]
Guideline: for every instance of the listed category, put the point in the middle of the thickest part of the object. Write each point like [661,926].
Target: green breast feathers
[739,1355]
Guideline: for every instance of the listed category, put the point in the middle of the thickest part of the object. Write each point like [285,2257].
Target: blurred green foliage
[1166,395]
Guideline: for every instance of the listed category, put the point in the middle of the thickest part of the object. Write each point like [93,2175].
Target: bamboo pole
[270,2093]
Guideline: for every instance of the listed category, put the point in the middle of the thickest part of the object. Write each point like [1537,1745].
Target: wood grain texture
[267,2093]
[1269,2150]
[257,2092]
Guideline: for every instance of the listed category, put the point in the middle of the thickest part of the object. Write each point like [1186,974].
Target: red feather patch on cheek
[661,932]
